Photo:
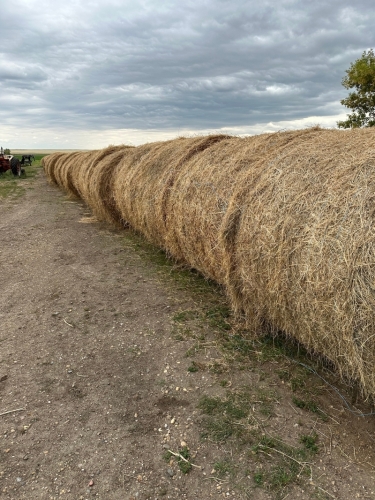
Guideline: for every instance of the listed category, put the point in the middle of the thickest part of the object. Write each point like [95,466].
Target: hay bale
[49,163]
[146,180]
[100,185]
[196,206]
[299,243]
[76,168]
[129,185]
[84,175]
[63,169]
[284,221]
[201,195]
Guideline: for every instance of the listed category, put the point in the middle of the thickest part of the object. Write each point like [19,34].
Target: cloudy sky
[88,73]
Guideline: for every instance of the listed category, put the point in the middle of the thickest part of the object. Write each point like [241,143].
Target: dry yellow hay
[75,169]
[63,173]
[300,247]
[284,221]
[99,190]
[145,181]
[84,175]
[49,163]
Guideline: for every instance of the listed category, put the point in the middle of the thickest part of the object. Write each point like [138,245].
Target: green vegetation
[361,77]
[182,457]
[238,418]
[310,406]
[14,187]
[243,418]
[193,367]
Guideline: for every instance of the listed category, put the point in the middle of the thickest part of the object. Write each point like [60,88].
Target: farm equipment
[9,162]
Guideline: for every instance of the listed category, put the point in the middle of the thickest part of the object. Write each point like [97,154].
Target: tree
[7,151]
[361,77]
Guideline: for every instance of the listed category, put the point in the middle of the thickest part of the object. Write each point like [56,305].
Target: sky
[80,74]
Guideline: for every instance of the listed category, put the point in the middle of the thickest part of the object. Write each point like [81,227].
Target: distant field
[44,151]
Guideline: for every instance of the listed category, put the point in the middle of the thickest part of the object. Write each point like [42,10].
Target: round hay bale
[299,243]
[84,175]
[100,185]
[49,163]
[130,182]
[196,206]
[146,181]
[76,168]
[63,172]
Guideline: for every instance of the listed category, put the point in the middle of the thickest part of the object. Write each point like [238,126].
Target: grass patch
[239,420]
[223,468]
[310,406]
[289,463]
[182,458]
[13,187]
[193,367]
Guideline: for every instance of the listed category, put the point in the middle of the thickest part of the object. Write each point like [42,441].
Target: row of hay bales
[284,221]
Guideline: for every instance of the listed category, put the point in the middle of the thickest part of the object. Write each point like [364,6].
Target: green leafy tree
[361,77]
[7,151]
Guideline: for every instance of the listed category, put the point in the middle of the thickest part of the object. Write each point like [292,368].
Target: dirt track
[99,382]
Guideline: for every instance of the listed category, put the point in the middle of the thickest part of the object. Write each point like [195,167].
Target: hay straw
[148,176]
[300,251]
[49,163]
[100,185]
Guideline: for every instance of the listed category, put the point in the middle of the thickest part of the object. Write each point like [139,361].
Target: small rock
[170,472]
[91,483]
[3,378]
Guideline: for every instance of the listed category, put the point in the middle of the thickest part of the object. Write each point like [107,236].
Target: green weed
[182,457]
[223,468]
[193,367]
[310,406]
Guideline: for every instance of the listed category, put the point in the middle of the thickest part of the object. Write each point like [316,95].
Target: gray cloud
[120,64]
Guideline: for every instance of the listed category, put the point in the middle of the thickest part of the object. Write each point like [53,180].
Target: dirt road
[110,371]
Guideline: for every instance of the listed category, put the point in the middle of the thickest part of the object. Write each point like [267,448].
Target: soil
[105,356]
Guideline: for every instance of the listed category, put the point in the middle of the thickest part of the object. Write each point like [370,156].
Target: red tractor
[9,162]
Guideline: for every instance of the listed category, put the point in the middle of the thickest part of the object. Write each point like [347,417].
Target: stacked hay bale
[49,163]
[145,181]
[284,221]
[299,243]
[96,182]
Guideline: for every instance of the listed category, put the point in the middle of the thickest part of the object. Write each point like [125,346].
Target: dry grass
[48,163]
[99,185]
[148,177]
[299,238]
[284,221]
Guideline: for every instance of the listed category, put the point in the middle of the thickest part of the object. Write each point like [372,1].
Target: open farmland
[130,378]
